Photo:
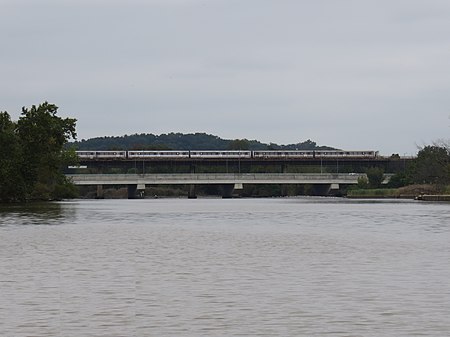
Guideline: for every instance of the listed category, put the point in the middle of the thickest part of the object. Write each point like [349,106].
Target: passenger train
[217,154]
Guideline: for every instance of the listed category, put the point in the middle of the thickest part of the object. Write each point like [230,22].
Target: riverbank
[430,197]
[407,192]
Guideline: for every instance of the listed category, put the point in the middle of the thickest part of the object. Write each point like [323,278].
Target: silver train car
[102,154]
[157,154]
[216,154]
[286,154]
[220,154]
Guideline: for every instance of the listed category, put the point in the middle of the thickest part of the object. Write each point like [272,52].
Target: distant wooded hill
[180,141]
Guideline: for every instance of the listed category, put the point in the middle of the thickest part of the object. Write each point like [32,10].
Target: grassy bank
[373,193]
[407,192]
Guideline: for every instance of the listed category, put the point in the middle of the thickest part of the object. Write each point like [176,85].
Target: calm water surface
[213,267]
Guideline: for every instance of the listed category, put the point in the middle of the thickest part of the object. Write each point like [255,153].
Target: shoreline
[433,197]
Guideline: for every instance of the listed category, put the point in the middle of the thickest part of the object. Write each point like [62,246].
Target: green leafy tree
[363,183]
[432,165]
[42,136]
[12,184]
[239,144]
[399,180]
[32,154]
[375,175]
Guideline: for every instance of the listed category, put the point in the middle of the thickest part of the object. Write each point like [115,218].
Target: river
[235,267]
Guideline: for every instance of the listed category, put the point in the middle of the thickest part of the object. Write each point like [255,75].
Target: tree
[432,165]
[363,183]
[12,184]
[399,179]
[375,175]
[32,154]
[239,144]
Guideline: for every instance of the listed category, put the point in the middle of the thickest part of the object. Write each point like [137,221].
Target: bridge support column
[99,194]
[227,191]
[334,186]
[191,193]
[132,188]
[136,191]
[141,190]
[284,187]
[321,189]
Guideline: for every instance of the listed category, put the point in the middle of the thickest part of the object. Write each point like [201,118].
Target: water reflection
[45,213]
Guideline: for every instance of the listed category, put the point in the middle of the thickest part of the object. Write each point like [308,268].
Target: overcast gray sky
[354,74]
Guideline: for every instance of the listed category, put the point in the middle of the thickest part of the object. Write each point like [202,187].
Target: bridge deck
[215,178]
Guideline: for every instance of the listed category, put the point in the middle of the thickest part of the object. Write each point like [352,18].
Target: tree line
[32,154]
[431,167]
[181,141]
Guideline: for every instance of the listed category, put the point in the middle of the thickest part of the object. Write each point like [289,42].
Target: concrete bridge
[215,178]
[323,182]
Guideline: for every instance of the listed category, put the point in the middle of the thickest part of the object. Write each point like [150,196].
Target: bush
[363,183]
[375,176]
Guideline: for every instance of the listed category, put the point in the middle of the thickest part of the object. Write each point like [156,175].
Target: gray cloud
[352,74]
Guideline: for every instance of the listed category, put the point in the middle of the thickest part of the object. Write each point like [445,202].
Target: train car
[157,154]
[221,154]
[86,154]
[298,154]
[111,154]
[328,154]
[344,154]
[283,154]
[361,154]
[369,154]
[102,154]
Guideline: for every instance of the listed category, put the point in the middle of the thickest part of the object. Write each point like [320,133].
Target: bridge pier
[132,188]
[99,194]
[135,191]
[227,191]
[284,187]
[321,189]
[192,194]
